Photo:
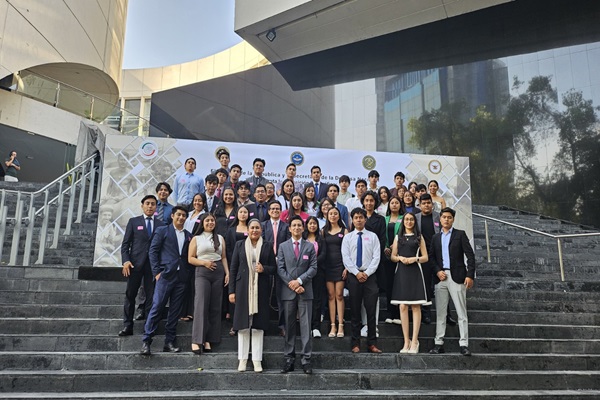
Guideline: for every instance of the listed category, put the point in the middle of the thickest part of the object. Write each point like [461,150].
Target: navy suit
[134,249]
[283,234]
[322,189]
[175,272]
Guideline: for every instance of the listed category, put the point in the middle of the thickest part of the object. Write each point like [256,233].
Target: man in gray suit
[296,266]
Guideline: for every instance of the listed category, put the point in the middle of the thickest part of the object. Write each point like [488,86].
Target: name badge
[156,213]
[198,220]
[232,217]
[436,223]
[245,233]
[305,257]
[140,228]
[251,214]
[340,235]
[365,239]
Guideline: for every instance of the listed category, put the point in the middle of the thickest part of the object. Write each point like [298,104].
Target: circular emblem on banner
[220,150]
[369,162]
[148,149]
[435,167]
[297,158]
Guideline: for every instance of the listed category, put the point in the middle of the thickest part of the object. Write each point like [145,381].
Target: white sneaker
[396,321]
[316,333]
[389,321]
[363,331]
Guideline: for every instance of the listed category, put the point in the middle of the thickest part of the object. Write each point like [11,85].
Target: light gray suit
[289,268]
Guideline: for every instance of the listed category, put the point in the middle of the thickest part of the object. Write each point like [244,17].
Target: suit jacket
[136,241]
[265,216]
[254,181]
[459,247]
[343,212]
[214,204]
[166,213]
[322,189]
[283,232]
[290,268]
[436,221]
[164,254]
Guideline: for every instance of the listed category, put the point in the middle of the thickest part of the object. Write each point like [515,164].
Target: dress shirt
[146,218]
[446,248]
[187,185]
[180,239]
[344,197]
[352,203]
[245,203]
[210,200]
[371,252]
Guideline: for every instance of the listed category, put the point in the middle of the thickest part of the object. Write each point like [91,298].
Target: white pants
[458,292]
[244,344]
[9,178]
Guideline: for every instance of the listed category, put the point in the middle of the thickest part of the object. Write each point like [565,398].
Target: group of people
[229,242]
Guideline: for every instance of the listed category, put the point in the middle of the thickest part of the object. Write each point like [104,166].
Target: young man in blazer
[168,258]
[320,187]
[296,266]
[210,184]
[453,277]
[136,265]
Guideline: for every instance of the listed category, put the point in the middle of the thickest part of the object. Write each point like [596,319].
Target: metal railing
[557,237]
[81,180]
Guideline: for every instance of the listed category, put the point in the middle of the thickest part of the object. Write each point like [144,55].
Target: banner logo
[369,162]
[297,158]
[435,167]
[148,149]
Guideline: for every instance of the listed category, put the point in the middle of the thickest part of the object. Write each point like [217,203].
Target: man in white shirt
[344,195]
[355,202]
[361,254]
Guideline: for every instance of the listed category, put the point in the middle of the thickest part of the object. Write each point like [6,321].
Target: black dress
[409,283]
[334,265]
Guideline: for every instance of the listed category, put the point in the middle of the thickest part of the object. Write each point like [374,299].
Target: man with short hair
[12,167]
[355,202]
[290,173]
[243,199]
[258,166]
[296,266]
[211,182]
[344,195]
[320,187]
[420,190]
[361,255]
[260,195]
[223,156]
[222,176]
[187,184]
[333,193]
[234,177]
[136,265]
[168,256]
[453,278]
[373,180]
[399,179]
[163,208]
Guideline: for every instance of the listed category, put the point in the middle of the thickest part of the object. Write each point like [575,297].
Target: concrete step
[186,379]
[61,285]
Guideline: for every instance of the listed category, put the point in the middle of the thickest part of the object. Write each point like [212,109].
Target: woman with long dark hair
[297,207]
[287,189]
[226,210]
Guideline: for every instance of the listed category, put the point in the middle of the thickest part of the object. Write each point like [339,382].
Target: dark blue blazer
[136,241]
[164,254]
[322,189]
[458,248]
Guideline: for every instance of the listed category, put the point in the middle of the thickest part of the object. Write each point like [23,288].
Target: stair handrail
[550,235]
[82,176]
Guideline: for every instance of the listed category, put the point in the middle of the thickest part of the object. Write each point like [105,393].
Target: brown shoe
[356,349]
[374,349]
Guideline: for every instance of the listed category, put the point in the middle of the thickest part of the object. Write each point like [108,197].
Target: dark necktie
[160,210]
[316,190]
[149,225]
[296,250]
[359,250]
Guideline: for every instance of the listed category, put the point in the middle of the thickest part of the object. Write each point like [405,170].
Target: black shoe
[126,332]
[307,368]
[170,348]
[450,321]
[140,316]
[288,366]
[437,349]
[464,350]
[145,349]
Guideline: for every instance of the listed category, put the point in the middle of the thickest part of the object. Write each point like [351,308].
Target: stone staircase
[532,336]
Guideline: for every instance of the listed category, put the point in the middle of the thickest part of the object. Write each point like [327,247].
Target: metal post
[44,232]
[57,95]
[59,210]
[487,241]
[14,248]
[92,184]
[72,194]
[29,237]
[100,167]
[82,181]
[92,109]
[560,260]
[3,211]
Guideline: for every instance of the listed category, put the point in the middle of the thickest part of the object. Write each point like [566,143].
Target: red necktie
[296,249]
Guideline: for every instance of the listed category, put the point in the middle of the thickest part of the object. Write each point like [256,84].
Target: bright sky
[165,32]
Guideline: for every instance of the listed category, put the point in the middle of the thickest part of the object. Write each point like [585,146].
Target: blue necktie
[316,191]
[149,225]
[359,250]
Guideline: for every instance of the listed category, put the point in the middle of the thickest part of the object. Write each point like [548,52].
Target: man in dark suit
[163,208]
[168,258]
[276,231]
[136,265]
[320,187]
[210,185]
[262,208]
[258,167]
[296,266]
[428,222]
[453,278]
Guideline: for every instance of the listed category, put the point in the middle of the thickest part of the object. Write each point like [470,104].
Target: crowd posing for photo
[232,249]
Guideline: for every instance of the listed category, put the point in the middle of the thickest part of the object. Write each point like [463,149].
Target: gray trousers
[208,304]
[458,292]
[302,308]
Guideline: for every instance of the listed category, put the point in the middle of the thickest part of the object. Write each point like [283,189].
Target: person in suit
[223,177]
[361,253]
[234,177]
[258,167]
[210,183]
[333,192]
[249,288]
[296,266]
[136,265]
[168,256]
[276,231]
[260,195]
[163,208]
[320,187]
[243,198]
[453,278]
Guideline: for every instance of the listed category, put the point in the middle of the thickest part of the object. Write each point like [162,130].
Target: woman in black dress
[253,260]
[226,211]
[409,251]
[335,273]
[312,234]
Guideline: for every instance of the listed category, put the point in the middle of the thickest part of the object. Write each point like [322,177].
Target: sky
[166,32]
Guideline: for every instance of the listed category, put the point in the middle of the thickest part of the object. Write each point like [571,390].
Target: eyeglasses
[274,209]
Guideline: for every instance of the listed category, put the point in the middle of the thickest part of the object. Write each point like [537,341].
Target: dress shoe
[374,349]
[414,349]
[405,349]
[288,366]
[464,350]
[356,349]
[140,317]
[145,349]
[316,333]
[126,332]
[281,332]
[257,366]
[450,321]
[307,368]
[388,320]
[207,348]
[242,365]
[396,321]
[437,349]
[170,348]
[197,351]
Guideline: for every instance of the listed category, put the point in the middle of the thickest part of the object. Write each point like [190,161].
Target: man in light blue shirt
[187,184]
